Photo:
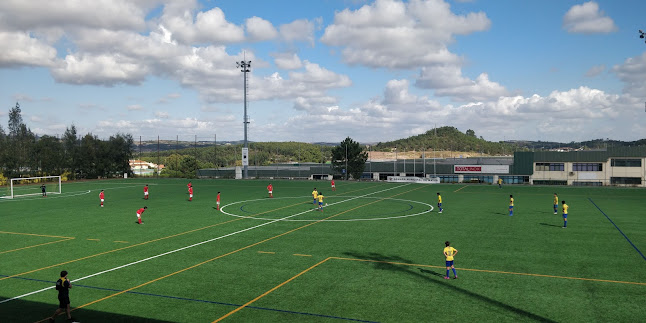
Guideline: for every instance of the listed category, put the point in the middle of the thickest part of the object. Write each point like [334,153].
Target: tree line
[184,162]
[24,154]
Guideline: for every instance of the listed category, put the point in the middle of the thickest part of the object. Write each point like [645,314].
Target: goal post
[25,186]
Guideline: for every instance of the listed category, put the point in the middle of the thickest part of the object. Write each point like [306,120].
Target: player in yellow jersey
[320,198]
[556,204]
[315,193]
[439,202]
[499,182]
[449,253]
[565,207]
[511,205]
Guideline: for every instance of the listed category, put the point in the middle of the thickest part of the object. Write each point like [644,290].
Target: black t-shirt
[42,188]
[63,287]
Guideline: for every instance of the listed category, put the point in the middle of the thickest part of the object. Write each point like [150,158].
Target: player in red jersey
[190,193]
[217,201]
[139,213]
[102,197]
[189,185]
[333,186]
[146,192]
[270,189]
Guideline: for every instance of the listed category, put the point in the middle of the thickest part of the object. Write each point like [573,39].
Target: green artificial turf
[373,254]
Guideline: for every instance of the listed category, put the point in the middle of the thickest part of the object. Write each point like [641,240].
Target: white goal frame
[32,178]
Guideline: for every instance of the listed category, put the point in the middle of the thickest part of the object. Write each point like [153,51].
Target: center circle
[407,202]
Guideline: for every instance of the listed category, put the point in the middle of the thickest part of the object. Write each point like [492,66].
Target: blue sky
[324,70]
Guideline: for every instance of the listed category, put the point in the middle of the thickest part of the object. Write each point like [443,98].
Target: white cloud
[20,49]
[577,114]
[394,34]
[162,114]
[588,19]
[99,70]
[595,70]
[259,29]
[287,61]
[208,26]
[447,80]
[167,98]
[633,73]
[298,30]
[43,14]
[134,107]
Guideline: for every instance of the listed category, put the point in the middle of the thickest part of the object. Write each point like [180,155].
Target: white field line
[65,194]
[187,247]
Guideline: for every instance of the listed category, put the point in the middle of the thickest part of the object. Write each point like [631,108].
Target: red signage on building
[468,169]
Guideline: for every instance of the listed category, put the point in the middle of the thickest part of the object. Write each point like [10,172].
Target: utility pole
[245,68]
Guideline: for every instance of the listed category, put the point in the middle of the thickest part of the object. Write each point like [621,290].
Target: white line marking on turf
[187,247]
[336,196]
[62,195]
[49,197]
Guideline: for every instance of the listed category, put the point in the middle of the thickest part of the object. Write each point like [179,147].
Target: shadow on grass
[27,311]
[550,225]
[436,279]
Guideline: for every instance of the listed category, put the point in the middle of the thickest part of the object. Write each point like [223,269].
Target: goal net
[34,186]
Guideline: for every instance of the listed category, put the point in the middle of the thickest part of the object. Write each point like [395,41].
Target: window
[477,179]
[515,179]
[616,162]
[587,167]
[553,167]
[626,180]
[587,183]
[449,179]
[550,182]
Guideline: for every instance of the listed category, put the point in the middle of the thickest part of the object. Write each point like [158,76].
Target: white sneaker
[439,212]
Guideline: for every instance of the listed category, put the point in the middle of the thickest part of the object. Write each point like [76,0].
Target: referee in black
[63,286]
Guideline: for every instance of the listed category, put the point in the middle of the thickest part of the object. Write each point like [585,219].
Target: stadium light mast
[245,68]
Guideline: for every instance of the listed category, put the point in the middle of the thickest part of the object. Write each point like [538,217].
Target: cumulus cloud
[633,73]
[287,61]
[259,29]
[399,114]
[447,80]
[298,30]
[395,34]
[208,26]
[588,19]
[103,69]
[21,49]
[110,14]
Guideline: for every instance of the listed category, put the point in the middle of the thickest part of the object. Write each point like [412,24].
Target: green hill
[448,138]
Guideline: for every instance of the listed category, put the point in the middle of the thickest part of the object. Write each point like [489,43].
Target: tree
[71,145]
[350,152]
[471,133]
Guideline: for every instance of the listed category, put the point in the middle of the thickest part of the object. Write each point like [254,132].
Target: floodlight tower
[244,68]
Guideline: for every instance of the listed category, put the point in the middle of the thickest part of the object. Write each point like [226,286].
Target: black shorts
[63,301]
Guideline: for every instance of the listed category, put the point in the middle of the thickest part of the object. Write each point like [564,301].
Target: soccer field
[374,254]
